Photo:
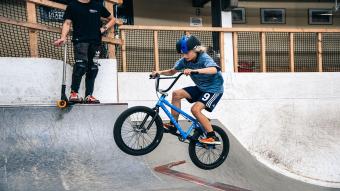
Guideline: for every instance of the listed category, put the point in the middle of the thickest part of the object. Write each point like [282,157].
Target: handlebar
[157,78]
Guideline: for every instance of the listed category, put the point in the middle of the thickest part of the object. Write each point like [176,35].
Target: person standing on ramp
[85,16]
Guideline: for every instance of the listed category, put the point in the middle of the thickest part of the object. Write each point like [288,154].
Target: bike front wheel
[210,156]
[138,130]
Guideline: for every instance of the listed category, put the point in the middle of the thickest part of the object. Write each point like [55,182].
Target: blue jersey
[212,83]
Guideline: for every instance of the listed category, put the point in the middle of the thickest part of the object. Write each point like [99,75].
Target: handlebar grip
[194,72]
[153,77]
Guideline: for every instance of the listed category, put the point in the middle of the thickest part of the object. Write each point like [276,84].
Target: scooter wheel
[61,104]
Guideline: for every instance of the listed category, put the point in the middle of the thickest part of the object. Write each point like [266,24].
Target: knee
[80,67]
[176,95]
[195,110]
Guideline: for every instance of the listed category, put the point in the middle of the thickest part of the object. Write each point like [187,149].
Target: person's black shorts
[210,100]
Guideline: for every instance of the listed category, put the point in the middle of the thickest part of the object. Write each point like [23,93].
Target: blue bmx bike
[139,130]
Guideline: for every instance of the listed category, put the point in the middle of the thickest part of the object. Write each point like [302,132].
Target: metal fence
[140,53]
[146,48]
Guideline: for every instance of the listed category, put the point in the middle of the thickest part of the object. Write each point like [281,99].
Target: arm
[64,32]
[108,25]
[209,70]
[169,72]
[66,28]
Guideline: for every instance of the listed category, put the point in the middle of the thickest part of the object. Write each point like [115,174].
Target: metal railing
[254,49]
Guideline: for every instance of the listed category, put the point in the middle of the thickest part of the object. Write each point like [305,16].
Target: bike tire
[222,157]
[117,131]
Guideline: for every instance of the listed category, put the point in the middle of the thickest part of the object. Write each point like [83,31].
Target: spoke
[130,136]
[153,134]
[130,122]
[150,137]
[209,159]
[145,141]
[134,134]
[125,133]
[142,146]
[218,148]
[204,154]
[136,142]
[216,156]
[208,156]
[200,150]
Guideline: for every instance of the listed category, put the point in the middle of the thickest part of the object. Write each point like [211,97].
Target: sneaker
[74,97]
[92,100]
[210,141]
[170,128]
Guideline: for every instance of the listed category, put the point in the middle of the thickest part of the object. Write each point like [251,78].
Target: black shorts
[210,100]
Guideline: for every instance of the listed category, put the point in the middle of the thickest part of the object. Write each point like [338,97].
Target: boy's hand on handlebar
[154,74]
[189,72]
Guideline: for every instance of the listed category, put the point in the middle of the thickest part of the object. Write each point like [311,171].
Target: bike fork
[156,109]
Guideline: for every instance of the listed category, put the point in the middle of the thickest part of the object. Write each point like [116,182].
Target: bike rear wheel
[138,130]
[210,156]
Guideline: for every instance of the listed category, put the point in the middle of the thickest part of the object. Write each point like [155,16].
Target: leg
[80,67]
[196,110]
[208,102]
[177,95]
[93,55]
[90,79]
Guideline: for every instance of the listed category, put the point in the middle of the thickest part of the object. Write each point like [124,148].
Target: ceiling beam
[199,3]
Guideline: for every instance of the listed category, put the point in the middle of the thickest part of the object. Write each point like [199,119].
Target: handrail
[61,6]
[41,27]
[56,5]
[222,29]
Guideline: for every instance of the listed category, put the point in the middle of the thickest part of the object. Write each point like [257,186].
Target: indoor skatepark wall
[288,121]
[38,81]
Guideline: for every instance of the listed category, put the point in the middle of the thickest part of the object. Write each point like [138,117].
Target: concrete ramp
[47,149]
[241,169]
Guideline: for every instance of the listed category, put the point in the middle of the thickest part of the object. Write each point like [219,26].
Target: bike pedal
[170,131]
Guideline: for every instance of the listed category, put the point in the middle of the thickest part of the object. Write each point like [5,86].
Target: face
[190,56]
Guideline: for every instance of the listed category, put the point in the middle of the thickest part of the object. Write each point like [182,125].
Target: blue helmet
[187,43]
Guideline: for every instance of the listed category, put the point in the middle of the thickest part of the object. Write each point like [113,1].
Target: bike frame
[162,103]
